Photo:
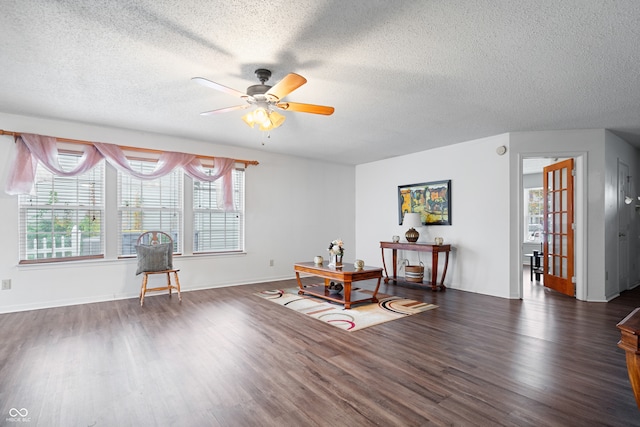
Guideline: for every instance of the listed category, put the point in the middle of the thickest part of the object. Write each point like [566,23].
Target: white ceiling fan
[267,99]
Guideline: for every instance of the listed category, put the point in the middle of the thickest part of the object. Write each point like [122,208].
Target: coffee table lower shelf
[324,293]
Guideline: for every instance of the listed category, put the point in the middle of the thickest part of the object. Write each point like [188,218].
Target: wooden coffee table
[346,275]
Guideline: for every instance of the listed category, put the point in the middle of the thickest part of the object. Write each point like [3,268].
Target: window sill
[106,261]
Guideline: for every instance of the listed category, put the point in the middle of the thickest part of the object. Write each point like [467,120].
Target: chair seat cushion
[153,258]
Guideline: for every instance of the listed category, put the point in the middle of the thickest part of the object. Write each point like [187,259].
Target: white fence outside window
[49,248]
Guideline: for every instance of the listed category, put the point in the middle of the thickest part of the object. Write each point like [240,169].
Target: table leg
[434,270]
[386,278]
[347,294]
[633,369]
[300,290]
[375,292]
[531,265]
[395,264]
[444,272]
[536,262]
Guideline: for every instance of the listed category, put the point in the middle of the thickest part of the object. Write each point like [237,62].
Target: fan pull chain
[265,136]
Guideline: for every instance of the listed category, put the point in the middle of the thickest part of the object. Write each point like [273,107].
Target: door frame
[580,209]
[623,209]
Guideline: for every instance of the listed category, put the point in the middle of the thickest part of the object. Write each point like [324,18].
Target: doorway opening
[546,237]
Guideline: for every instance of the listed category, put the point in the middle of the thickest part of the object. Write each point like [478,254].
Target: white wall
[479,210]
[293,211]
[619,150]
[487,207]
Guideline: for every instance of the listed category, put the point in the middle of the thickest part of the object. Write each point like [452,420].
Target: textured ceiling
[404,76]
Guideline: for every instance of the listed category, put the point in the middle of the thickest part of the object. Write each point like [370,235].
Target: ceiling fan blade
[306,108]
[225,110]
[218,86]
[285,86]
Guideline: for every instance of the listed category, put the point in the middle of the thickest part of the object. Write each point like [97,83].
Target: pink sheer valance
[32,149]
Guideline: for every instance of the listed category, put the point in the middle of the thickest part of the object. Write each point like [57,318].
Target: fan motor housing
[257,90]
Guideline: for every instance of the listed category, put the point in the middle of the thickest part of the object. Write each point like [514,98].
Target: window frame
[26,204]
[529,208]
[155,207]
[239,213]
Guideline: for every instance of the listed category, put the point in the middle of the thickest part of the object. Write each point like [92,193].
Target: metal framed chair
[154,250]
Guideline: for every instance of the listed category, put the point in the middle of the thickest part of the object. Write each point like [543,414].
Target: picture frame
[432,200]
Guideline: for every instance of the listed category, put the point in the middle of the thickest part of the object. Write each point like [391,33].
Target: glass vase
[335,261]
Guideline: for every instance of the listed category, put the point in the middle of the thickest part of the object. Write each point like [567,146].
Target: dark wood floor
[225,357]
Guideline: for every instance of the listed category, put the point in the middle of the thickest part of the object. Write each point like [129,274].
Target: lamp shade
[264,118]
[412,219]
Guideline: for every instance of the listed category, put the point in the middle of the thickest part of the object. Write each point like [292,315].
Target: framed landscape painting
[432,200]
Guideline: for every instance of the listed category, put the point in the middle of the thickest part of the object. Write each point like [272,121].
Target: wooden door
[559,227]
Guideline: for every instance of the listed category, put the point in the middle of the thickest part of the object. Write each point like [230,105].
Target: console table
[630,343]
[420,247]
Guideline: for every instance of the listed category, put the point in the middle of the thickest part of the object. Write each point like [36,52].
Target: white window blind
[214,229]
[63,217]
[145,205]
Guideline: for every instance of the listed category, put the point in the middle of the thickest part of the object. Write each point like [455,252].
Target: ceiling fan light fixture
[248,119]
[265,119]
[276,118]
[260,115]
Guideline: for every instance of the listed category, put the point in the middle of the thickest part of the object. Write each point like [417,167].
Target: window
[145,205]
[63,217]
[534,209]
[214,229]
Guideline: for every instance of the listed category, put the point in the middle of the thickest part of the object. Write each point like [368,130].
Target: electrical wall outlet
[6,284]
[270,263]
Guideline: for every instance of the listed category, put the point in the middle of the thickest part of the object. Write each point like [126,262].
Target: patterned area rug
[360,316]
